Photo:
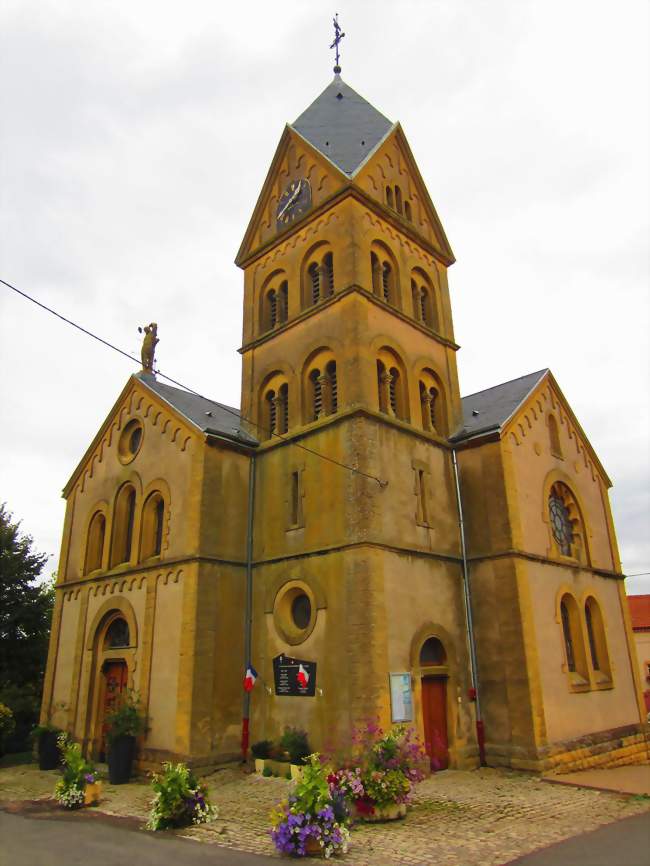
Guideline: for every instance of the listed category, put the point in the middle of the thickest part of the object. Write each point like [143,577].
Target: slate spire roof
[343,126]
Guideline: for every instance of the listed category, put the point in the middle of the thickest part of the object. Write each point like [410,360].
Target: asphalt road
[28,841]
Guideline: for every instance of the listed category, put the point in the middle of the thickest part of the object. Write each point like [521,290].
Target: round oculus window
[295,612]
[130,440]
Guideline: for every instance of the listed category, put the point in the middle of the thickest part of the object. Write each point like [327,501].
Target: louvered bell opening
[331,372]
[317,394]
[392,389]
[315,283]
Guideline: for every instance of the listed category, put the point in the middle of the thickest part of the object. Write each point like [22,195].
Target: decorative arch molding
[274,587]
[116,604]
[385,341]
[577,508]
[427,630]
[283,368]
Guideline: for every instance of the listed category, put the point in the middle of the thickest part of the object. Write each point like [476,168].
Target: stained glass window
[560,523]
[117,634]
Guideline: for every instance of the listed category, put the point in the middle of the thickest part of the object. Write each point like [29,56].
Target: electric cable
[233,412]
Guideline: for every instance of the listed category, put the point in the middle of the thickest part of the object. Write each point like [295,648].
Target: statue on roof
[148,346]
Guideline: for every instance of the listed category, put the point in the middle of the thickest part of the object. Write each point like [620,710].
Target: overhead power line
[237,415]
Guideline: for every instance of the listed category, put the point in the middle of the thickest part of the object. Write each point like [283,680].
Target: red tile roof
[639,611]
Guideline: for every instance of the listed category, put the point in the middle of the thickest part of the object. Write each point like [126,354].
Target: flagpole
[248,612]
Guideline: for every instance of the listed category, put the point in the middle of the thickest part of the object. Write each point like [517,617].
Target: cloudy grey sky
[134,141]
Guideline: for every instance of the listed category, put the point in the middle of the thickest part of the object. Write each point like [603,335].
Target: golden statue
[148,346]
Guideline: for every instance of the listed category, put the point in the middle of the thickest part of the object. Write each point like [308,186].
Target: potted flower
[180,799]
[261,752]
[123,725]
[306,823]
[294,745]
[79,785]
[387,767]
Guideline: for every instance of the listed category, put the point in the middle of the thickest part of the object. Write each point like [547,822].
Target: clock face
[294,202]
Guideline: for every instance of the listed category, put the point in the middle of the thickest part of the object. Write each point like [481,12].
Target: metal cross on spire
[338,35]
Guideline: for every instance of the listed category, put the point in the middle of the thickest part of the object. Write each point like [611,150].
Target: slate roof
[639,612]
[208,416]
[342,126]
[489,410]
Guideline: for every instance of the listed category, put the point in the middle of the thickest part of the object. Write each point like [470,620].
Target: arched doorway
[434,676]
[113,649]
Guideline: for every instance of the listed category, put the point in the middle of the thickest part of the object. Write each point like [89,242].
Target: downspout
[480,729]
[248,611]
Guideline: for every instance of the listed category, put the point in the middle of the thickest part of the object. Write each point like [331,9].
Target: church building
[368,543]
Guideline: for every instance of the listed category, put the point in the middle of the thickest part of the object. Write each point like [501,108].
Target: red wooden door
[434,709]
[115,680]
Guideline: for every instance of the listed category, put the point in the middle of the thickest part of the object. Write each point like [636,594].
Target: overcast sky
[134,141]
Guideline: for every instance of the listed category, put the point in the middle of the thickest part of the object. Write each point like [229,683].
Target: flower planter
[92,793]
[389,812]
[278,768]
[313,848]
[120,759]
[49,756]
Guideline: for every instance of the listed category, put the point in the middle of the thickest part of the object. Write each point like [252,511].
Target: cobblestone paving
[478,818]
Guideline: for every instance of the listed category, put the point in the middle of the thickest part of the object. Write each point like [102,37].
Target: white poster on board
[401,697]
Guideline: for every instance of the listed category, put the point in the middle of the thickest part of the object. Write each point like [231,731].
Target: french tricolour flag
[303,676]
[249,678]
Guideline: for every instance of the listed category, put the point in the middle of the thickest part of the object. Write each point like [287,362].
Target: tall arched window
[424,302]
[275,408]
[320,386]
[95,543]
[123,523]
[574,648]
[153,516]
[407,211]
[554,437]
[389,197]
[597,641]
[319,277]
[566,522]
[428,402]
[385,275]
[399,206]
[432,403]
[283,302]
[391,386]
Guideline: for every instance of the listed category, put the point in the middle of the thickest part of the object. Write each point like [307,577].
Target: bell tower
[349,377]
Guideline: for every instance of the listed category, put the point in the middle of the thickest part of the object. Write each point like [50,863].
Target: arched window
[95,543]
[319,277]
[432,403]
[320,386]
[314,278]
[554,437]
[597,641]
[389,197]
[123,525]
[574,649]
[424,303]
[330,369]
[428,401]
[317,394]
[407,211]
[283,302]
[275,410]
[432,653]
[387,282]
[271,413]
[385,275]
[391,385]
[283,409]
[117,634]
[399,207]
[566,523]
[153,516]
[273,308]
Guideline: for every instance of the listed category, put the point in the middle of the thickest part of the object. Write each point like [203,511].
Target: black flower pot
[121,752]
[49,756]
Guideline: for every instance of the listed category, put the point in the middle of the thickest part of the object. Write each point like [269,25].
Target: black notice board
[285,674]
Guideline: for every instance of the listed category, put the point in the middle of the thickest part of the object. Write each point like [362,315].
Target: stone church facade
[380,523]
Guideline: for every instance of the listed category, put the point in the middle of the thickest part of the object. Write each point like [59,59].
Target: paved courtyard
[487,817]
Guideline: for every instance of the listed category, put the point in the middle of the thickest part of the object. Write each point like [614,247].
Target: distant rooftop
[489,410]
[639,612]
[343,126]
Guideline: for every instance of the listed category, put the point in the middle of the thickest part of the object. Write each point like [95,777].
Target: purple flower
[90,779]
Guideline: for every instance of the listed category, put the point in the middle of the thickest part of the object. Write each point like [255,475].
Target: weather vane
[337,38]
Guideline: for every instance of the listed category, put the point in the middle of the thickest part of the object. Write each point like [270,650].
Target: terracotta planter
[92,793]
[389,812]
[312,846]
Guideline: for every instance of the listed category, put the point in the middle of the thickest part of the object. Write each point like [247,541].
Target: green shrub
[7,724]
[262,749]
[295,742]
[180,799]
[77,773]
[267,771]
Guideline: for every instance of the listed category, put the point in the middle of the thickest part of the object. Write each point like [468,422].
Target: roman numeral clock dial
[294,202]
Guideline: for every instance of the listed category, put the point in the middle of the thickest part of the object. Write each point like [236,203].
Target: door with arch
[115,676]
[434,673]
[114,657]
[434,710]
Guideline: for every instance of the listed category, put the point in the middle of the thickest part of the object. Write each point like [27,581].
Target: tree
[25,617]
